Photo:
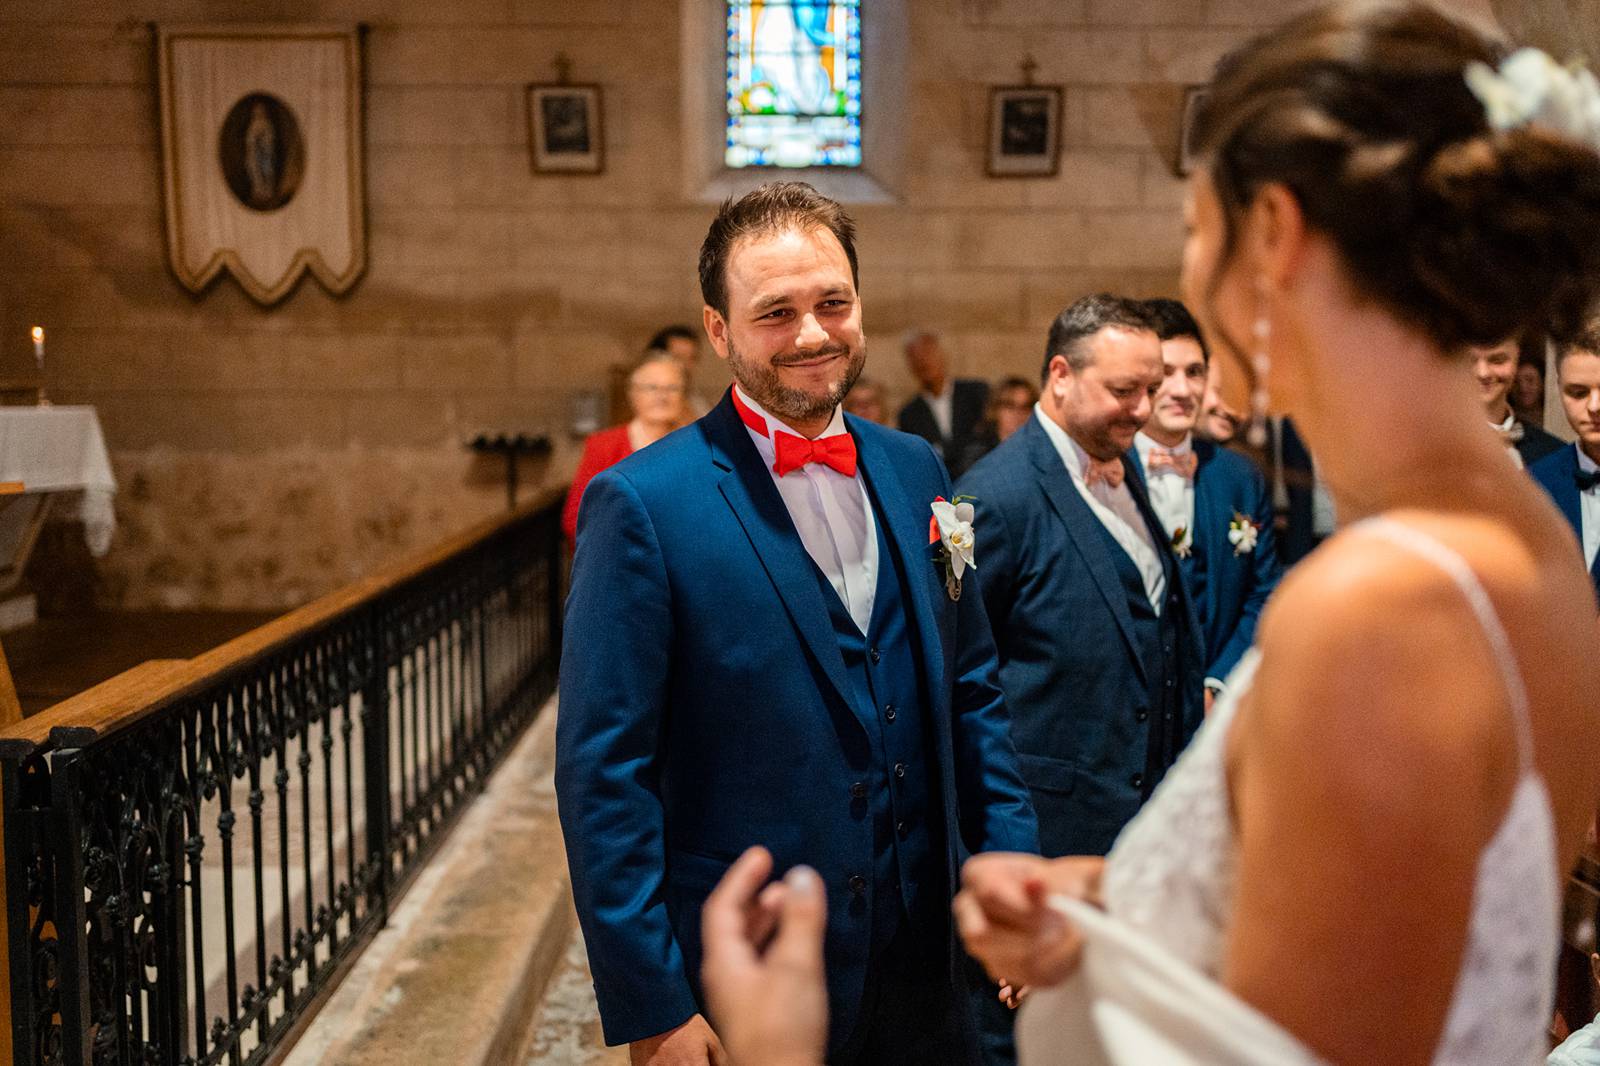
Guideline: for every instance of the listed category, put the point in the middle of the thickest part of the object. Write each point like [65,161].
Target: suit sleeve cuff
[1215,686]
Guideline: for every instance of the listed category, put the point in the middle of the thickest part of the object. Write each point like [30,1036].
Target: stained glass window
[794,83]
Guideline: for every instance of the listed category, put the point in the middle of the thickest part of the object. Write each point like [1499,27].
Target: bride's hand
[1007,923]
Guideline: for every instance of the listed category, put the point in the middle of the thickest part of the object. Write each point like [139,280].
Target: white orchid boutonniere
[1182,542]
[1242,534]
[951,529]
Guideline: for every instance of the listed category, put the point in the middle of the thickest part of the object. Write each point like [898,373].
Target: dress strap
[1451,562]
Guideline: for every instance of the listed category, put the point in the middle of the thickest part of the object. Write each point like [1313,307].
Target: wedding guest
[1527,390]
[1218,423]
[865,400]
[1101,657]
[1572,475]
[683,344]
[1010,405]
[656,391]
[946,412]
[1301,500]
[760,647]
[1495,367]
[1212,502]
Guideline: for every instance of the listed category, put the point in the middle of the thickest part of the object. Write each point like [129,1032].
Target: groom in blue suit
[1100,653]
[762,648]
[1213,503]
[1572,475]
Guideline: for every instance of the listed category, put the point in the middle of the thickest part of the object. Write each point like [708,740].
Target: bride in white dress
[1364,846]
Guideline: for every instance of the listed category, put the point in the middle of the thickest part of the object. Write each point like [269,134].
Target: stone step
[461,969]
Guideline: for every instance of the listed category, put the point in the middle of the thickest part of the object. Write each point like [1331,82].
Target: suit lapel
[1567,491]
[1209,523]
[905,528]
[749,491]
[1083,530]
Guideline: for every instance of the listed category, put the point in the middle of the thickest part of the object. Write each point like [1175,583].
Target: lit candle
[38,346]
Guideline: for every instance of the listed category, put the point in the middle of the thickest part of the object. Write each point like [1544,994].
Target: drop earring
[1261,363]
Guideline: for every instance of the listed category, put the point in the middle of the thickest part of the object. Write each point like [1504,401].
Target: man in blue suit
[1100,653]
[1572,475]
[1212,502]
[762,647]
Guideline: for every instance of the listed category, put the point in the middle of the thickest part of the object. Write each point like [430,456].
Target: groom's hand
[690,1044]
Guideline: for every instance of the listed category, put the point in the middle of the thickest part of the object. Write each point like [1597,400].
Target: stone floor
[566,1028]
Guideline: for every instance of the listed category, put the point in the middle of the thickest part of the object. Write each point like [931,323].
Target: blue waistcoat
[1156,639]
[895,787]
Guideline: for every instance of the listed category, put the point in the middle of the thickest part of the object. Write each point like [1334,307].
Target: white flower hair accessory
[1532,88]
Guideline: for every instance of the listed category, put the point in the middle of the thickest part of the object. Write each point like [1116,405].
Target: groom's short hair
[1086,317]
[772,208]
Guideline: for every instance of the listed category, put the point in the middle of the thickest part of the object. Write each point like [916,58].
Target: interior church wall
[265,456]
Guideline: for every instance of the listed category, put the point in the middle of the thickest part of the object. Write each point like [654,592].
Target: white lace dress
[1171,873]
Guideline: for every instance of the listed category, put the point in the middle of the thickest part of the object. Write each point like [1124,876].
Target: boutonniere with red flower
[1242,534]
[1182,542]
[951,529]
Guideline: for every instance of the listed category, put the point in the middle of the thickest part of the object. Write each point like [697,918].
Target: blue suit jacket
[1233,587]
[1557,473]
[705,707]
[1074,683]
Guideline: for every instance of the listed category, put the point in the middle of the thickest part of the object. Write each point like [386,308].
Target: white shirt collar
[1586,464]
[944,393]
[1072,454]
[1505,427]
[765,444]
[1144,444]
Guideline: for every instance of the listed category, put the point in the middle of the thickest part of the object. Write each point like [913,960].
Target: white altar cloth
[61,449]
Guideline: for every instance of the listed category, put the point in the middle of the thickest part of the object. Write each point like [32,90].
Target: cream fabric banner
[261,146]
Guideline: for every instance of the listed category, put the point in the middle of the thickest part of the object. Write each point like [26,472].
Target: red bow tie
[837,451]
[1185,464]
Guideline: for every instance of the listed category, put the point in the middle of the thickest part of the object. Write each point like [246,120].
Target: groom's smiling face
[792,335]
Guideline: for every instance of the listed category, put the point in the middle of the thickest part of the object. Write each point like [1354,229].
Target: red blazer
[603,449]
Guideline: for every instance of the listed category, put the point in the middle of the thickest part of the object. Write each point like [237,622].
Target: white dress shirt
[942,408]
[1171,494]
[1116,509]
[832,514]
[1589,509]
[1506,429]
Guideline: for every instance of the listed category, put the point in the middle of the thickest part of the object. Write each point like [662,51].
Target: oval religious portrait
[261,152]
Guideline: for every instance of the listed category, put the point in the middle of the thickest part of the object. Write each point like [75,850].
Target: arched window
[790,61]
[794,83]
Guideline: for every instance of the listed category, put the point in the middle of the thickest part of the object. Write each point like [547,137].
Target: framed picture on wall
[1194,98]
[1024,131]
[565,130]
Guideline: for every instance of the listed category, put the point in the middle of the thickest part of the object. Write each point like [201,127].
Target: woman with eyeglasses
[658,390]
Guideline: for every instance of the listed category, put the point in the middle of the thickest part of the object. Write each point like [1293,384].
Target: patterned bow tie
[1110,471]
[837,451]
[1183,465]
[1587,479]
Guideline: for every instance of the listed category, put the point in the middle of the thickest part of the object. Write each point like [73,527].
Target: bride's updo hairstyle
[1363,111]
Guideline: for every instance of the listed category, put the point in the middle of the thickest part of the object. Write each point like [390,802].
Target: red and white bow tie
[837,451]
[1110,471]
[1161,459]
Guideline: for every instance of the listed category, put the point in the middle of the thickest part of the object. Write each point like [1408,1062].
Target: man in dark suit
[1496,370]
[1100,653]
[1572,475]
[760,648]
[1212,502]
[946,413]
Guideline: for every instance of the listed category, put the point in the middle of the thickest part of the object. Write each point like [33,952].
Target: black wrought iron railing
[195,851]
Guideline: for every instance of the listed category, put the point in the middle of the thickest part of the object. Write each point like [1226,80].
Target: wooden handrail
[136,694]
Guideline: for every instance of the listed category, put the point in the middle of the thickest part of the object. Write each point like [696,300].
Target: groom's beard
[761,382]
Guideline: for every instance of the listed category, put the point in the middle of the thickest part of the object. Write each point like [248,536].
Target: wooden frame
[566,129]
[1024,131]
[1194,97]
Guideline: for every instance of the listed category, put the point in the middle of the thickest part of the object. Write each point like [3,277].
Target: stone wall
[266,456]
